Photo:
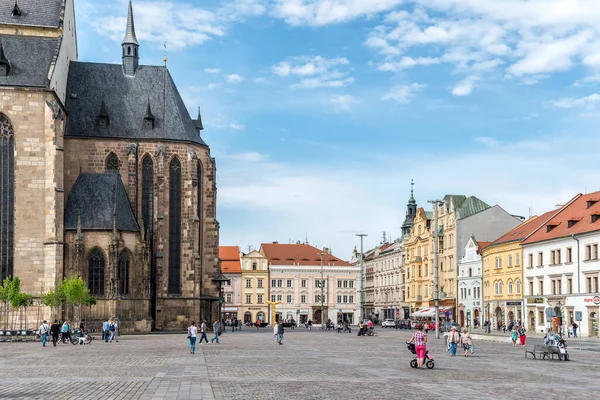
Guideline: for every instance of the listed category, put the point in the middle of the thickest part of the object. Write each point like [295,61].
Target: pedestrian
[216,329]
[82,327]
[111,329]
[192,331]
[513,336]
[420,340]
[452,341]
[466,340]
[239,321]
[522,335]
[575,326]
[257,324]
[44,329]
[310,324]
[54,331]
[106,330]
[234,325]
[203,328]
[275,331]
[114,331]
[280,332]
[63,330]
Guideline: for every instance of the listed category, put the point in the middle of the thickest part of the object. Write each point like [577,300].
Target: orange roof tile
[580,215]
[230,259]
[525,229]
[298,254]
[482,245]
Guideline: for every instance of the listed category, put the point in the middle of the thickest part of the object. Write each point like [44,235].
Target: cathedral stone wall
[199,247]
[38,125]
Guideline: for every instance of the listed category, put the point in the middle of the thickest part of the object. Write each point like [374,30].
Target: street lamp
[436,267]
[219,280]
[363,282]
[322,284]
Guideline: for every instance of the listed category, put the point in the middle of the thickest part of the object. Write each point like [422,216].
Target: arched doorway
[261,316]
[462,318]
[317,317]
[476,317]
[498,316]
[532,321]
[247,317]
[593,324]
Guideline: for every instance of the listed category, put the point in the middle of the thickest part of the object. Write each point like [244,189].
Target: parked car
[388,323]
[447,327]
[403,324]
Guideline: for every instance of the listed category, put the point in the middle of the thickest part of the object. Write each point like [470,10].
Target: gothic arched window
[148,193]
[199,176]
[174,286]
[112,163]
[123,271]
[7,194]
[96,264]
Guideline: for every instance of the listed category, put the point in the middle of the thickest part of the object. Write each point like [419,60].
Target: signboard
[578,316]
[595,300]
[549,314]
[515,303]
[535,300]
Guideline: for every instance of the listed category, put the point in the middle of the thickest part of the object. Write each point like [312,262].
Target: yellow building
[418,273]
[255,287]
[503,273]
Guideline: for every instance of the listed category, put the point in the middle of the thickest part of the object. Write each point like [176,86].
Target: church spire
[411,211]
[130,46]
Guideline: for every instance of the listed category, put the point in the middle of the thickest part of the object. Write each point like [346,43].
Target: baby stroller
[429,363]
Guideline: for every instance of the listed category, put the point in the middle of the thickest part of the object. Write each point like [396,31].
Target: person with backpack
[112,328]
[575,326]
[44,329]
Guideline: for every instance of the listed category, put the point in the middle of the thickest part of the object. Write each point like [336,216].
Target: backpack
[112,328]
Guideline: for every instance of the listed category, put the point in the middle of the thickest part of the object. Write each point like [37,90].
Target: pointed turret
[103,116]
[130,46]
[4,63]
[198,121]
[148,117]
[16,12]
[411,212]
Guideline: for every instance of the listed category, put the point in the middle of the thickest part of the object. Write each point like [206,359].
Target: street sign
[578,316]
[549,314]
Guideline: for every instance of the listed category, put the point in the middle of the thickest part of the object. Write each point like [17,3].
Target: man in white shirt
[203,328]
[44,329]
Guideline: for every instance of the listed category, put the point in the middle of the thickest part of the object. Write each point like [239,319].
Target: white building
[562,268]
[295,275]
[388,281]
[469,283]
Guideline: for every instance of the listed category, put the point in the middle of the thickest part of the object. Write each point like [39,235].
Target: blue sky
[320,112]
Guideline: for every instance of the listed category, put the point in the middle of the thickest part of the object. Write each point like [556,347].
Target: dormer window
[595,217]
[103,117]
[16,12]
[148,118]
[591,202]
[572,222]
[550,227]
[4,63]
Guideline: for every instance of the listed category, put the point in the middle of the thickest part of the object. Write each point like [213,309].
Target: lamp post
[322,284]
[363,281]
[436,268]
[219,280]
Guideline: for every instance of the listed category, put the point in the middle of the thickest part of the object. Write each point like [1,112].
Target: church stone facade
[103,174]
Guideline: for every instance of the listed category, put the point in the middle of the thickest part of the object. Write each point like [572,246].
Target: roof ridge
[564,207]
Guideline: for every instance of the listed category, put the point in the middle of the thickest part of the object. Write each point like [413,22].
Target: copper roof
[298,254]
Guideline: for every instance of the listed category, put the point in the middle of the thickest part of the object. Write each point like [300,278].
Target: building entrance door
[593,325]
[317,317]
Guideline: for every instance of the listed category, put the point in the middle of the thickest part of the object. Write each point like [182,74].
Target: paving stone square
[310,365]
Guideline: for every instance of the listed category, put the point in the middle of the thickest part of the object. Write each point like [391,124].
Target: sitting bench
[544,352]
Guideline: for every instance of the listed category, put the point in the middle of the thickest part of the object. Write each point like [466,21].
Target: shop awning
[419,313]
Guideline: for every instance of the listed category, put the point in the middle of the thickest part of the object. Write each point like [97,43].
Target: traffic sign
[549,314]
[578,316]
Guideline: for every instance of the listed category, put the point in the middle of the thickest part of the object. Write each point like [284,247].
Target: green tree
[14,297]
[76,292]
[5,298]
[54,299]
[21,302]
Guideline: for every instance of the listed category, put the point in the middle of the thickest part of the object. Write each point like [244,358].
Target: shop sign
[595,300]
[514,303]
[254,308]
[535,300]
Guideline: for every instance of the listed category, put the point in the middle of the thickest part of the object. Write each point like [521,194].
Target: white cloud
[465,87]
[212,70]
[342,102]
[408,62]
[403,93]
[582,102]
[212,86]
[315,71]
[325,12]
[589,80]
[486,140]
[247,157]
[234,78]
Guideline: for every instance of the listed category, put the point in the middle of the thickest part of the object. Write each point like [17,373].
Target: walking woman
[466,340]
[192,332]
[513,336]
[522,336]
[453,338]
[420,340]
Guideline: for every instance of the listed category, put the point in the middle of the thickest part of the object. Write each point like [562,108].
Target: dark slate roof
[93,199]
[30,59]
[45,13]
[126,99]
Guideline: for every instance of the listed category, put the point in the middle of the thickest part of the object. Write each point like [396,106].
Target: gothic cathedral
[103,174]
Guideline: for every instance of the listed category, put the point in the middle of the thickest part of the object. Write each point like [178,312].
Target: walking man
[54,331]
[44,329]
[106,330]
[575,326]
[280,332]
[216,329]
[203,331]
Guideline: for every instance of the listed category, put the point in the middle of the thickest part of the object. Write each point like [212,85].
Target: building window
[289,299]
[279,282]
[339,299]
[518,284]
[148,195]
[592,284]
[259,283]
[259,299]
[174,286]
[303,299]
[317,298]
[248,283]
[112,163]
[345,299]
[510,260]
[555,257]
[303,283]
[278,297]
[530,256]
[7,195]
[540,259]
[248,299]
[273,282]
[531,287]
[288,283]
[254,266]
[273,298]
[351,299]
[517,260]
[200,204]
[569,286]
[510,287]
[339,284]
[96,264]
[228,298]
[541,288]
[569,255]
[556,286]
[123,272]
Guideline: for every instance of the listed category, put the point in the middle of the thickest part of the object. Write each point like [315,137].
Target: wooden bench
[544,351]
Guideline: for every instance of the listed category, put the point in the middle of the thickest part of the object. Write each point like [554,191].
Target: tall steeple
[411,211]
[130,46]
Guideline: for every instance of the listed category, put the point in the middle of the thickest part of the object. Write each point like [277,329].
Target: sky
[320,112]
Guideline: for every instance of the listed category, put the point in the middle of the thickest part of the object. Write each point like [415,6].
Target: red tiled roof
[298,254]
[230,259]
[523,230]
[482,245]
[574,218]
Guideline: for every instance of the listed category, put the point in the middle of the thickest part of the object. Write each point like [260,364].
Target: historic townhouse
[503,273]
[388,277]
[562,268]
[417,271]
[470,284]
[232,289]
[302,275]
[255,287]
[104,175]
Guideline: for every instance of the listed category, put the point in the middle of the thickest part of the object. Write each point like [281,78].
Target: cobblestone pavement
[310,365]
